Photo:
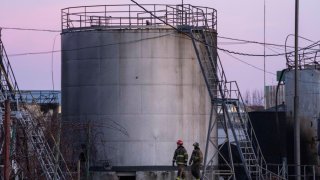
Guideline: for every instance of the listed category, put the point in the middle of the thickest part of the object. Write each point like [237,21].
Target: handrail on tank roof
[131,16]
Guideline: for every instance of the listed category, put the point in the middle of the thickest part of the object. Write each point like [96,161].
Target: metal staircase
[9,90]
[227,104]
[39,144]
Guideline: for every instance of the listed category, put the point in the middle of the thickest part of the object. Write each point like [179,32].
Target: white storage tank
[131,84]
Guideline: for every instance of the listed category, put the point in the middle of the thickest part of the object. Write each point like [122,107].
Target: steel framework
[34,131]
[228,109]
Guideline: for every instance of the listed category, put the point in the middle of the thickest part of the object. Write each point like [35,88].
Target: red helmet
[180,142]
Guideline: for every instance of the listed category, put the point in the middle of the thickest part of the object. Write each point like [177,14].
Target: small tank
[309,112]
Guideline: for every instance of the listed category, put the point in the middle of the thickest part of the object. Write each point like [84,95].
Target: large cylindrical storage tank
[128,94]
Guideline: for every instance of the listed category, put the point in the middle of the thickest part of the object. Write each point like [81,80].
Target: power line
[235,52]
[232,43]
[52,56]
[222,37]
[227,52]
[33,53]
[251,42]
[268,44]
[222,49]
[88,47]
[260,69]
[248,54]
[30,29]
[244,62]
[272,49]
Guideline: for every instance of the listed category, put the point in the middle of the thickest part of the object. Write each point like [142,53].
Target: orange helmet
[180,142]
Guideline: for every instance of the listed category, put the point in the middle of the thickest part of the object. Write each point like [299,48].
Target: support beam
[7,123]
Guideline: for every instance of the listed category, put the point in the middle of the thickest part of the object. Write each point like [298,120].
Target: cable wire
[31,29]
[52,75]
[244,62]
[87,47]
[222,49]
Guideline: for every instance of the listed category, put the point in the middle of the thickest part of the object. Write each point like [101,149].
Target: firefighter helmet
[196,144]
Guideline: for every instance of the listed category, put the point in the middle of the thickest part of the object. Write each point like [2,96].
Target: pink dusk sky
[241,19]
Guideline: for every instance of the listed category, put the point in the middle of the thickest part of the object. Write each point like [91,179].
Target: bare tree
[247,97]
[254,98]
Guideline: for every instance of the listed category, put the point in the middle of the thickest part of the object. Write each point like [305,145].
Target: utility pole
[264,54]
[296,97]
[7,140]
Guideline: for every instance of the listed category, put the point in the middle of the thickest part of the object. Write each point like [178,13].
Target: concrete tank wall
[309,110]
[128,95]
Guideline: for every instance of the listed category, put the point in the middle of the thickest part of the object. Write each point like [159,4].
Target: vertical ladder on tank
[35,132]
[230,110]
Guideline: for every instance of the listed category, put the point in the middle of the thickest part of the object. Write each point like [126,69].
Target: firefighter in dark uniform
[196,161]
[180,158]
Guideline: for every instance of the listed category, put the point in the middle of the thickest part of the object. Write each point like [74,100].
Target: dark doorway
[127,178]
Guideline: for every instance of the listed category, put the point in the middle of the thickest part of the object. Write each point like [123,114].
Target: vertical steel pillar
[7,140]
[264,54]
[0,46]
[296,97]
[57,143]
[182,13]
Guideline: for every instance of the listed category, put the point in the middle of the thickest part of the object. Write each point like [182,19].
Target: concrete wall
[142,175]
[309,110]
[128,95]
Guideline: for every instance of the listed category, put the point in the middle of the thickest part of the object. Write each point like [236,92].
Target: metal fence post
[314,172]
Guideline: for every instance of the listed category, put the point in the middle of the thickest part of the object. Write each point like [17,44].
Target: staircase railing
[236,114]
[35,133]
[8,82]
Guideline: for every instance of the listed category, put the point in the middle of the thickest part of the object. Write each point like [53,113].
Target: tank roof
[131,16]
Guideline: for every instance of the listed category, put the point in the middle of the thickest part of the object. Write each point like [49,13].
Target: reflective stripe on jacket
[180,155]
[196,157]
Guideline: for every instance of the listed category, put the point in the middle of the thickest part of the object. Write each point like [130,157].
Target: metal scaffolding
[27,119]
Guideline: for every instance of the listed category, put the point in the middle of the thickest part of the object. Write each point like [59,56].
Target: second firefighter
[196,161]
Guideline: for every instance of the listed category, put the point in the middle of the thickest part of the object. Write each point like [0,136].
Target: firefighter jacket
[180,156]
[196,157]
